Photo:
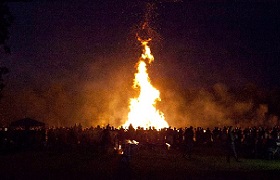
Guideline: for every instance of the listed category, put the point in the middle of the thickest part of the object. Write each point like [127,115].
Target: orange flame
[142,109]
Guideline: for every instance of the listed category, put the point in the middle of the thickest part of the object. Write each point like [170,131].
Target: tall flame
[142,109]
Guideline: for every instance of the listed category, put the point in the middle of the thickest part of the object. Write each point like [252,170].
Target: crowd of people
[255,142]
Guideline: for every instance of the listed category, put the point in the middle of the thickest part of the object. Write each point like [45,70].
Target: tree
[6,20]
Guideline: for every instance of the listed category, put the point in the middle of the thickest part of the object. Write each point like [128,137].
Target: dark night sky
[85,45]
[207,42]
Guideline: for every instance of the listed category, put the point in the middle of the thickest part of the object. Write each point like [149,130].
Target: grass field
[206,163]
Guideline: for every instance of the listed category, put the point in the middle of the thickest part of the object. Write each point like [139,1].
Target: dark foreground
[145,163]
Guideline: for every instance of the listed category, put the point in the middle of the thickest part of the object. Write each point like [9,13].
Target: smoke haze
[75,63]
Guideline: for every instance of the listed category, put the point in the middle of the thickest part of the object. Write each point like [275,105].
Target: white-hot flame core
[142,109]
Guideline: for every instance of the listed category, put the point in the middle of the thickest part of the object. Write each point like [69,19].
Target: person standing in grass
[231,151]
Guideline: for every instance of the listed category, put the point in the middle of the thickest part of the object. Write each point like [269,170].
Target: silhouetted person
[169,136]
[189,143]
[105,140]
[231,151]
[271,147]
[208,137]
